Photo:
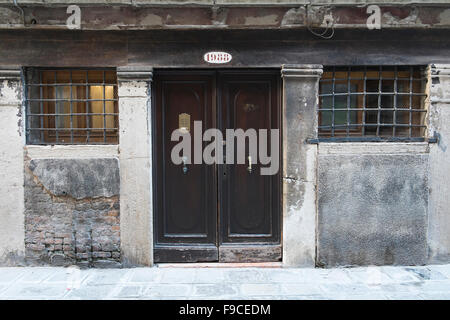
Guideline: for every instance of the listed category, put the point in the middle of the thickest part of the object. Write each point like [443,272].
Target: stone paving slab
[246,283]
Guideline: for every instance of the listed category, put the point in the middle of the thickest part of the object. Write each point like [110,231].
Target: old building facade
[90,92]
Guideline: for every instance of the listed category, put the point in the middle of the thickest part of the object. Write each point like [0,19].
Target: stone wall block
[12,231]
[439,205]
[300,103]
[135,160]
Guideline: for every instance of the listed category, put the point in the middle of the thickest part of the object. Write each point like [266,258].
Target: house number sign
[217,57]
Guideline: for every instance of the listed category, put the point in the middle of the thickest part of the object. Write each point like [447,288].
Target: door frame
[252,252]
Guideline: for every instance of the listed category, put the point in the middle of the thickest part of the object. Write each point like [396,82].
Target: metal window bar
[56,108]
[41,106]
[333,87]
[394,112]
[88,133]
[380,84]
[348,100]
[27,106]
[385,93]
[364,102]
[387,108]
[73,84]
[65,125]
[104,107]
[410,99]
[71,110]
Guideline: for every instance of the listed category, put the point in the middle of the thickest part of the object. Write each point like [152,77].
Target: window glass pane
[326,118]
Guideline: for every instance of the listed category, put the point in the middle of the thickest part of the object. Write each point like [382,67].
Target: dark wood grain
[249,201]
[186,206]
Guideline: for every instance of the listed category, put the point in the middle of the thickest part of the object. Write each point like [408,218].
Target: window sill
[372,139]
[373,148]
[72,151]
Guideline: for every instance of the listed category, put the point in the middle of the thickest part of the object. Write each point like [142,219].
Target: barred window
[71,106]
[372,103]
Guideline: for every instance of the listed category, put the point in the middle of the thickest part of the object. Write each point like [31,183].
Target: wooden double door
[214,212]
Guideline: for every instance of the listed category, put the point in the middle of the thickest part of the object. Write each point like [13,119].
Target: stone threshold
[221,265]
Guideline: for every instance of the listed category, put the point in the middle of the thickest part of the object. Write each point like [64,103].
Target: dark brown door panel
[186,202]
[249,201]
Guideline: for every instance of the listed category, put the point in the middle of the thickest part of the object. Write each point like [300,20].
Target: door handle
[185,168]
[249,168]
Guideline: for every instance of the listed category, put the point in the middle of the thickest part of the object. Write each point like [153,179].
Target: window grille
[372,104]
[74,106]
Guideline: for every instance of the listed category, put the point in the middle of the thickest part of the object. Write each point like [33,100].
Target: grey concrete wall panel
[372,209]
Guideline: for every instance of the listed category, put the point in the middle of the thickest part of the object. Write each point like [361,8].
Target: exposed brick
[48,241]
[115,255]
[69,254]
[82,256]
[36,247]
[81,249]
[111,220]
[113,213]
[110,247]
[63,235]
[101,254]
[54,226]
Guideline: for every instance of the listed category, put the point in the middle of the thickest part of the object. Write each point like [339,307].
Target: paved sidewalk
[430,282]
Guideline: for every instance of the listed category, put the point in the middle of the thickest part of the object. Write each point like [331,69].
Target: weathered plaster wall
[439,123]
[213,2]
[372,204]
[72,212]
[134,14]
[12,247]
[135,165]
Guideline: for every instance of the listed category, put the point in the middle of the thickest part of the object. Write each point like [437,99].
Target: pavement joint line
[118,287]
[86,277]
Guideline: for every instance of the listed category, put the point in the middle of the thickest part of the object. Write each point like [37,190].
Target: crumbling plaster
[203,14]
[72,213]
